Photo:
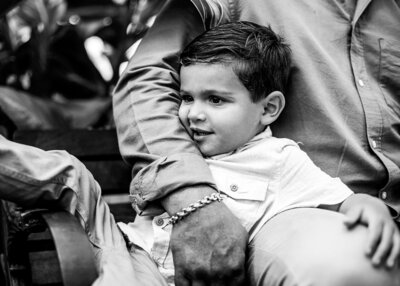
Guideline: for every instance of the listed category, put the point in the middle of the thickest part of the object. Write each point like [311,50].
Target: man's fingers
[374,236]
[395,252]
[384,246]
[352,218]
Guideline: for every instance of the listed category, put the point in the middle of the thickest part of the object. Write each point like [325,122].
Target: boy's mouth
[200,132]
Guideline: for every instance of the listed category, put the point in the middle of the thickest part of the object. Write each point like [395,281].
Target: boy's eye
[186,98]
[215,99]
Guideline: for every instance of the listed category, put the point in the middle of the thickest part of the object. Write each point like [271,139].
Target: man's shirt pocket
[389,72]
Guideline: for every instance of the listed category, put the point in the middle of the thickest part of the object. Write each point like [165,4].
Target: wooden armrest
[74,254]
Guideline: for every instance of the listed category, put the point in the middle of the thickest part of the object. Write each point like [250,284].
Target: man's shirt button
[384,195]
[361,83]
[234,187]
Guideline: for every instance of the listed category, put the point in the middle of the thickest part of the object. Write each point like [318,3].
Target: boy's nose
[196,113]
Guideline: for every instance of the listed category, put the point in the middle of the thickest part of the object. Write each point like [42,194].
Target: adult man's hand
[209,247]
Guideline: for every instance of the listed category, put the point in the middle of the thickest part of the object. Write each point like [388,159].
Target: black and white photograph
[200,142]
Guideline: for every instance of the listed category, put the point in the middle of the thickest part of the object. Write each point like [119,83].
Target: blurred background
[60,59]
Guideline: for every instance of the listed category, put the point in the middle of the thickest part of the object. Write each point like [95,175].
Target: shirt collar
[360,8]
[267,133]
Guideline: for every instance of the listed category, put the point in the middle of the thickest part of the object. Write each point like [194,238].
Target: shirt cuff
[165,176]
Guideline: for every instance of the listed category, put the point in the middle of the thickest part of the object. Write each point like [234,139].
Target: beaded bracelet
[193,207]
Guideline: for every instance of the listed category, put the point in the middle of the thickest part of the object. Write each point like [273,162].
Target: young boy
[232,82]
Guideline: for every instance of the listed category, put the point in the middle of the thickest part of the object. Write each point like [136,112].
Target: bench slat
[84,144]
[113,176]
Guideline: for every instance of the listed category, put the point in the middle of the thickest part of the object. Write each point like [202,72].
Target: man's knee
[266,268]
[313,247]
[363,275]
[343,265]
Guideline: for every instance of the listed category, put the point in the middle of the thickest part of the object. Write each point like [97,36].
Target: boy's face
[216,108]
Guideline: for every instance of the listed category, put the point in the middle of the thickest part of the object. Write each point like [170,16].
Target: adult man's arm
[168,168]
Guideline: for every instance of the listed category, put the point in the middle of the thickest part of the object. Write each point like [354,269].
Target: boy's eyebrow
[208,91]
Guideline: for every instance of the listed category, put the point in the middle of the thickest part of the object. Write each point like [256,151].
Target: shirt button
[234,187]
[384,195]
[159,222]
[374,144]
[360,82]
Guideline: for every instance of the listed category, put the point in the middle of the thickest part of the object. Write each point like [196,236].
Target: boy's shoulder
[275,144]
[260,160]
[271,148]
[266,139]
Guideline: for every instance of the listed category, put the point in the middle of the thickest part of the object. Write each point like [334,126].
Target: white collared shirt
[266,176]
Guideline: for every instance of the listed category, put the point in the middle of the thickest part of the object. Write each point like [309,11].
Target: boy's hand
[383,243]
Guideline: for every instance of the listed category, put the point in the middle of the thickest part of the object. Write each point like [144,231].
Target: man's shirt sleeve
[146,102]
[165,175]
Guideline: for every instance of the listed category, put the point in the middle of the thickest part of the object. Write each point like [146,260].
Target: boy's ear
[273,105]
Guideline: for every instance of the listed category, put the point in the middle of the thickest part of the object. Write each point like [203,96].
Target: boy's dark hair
[259,57]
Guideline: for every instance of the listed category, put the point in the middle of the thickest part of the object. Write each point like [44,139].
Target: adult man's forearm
[146,99]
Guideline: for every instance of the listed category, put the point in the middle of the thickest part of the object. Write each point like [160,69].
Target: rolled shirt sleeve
[166,175]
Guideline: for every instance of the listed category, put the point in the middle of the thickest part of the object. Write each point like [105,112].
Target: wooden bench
[52,248]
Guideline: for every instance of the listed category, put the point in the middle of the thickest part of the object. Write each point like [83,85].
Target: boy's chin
[208,153]
[205,152]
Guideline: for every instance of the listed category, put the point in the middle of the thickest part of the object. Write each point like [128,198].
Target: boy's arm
[383,244]
[151,137]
